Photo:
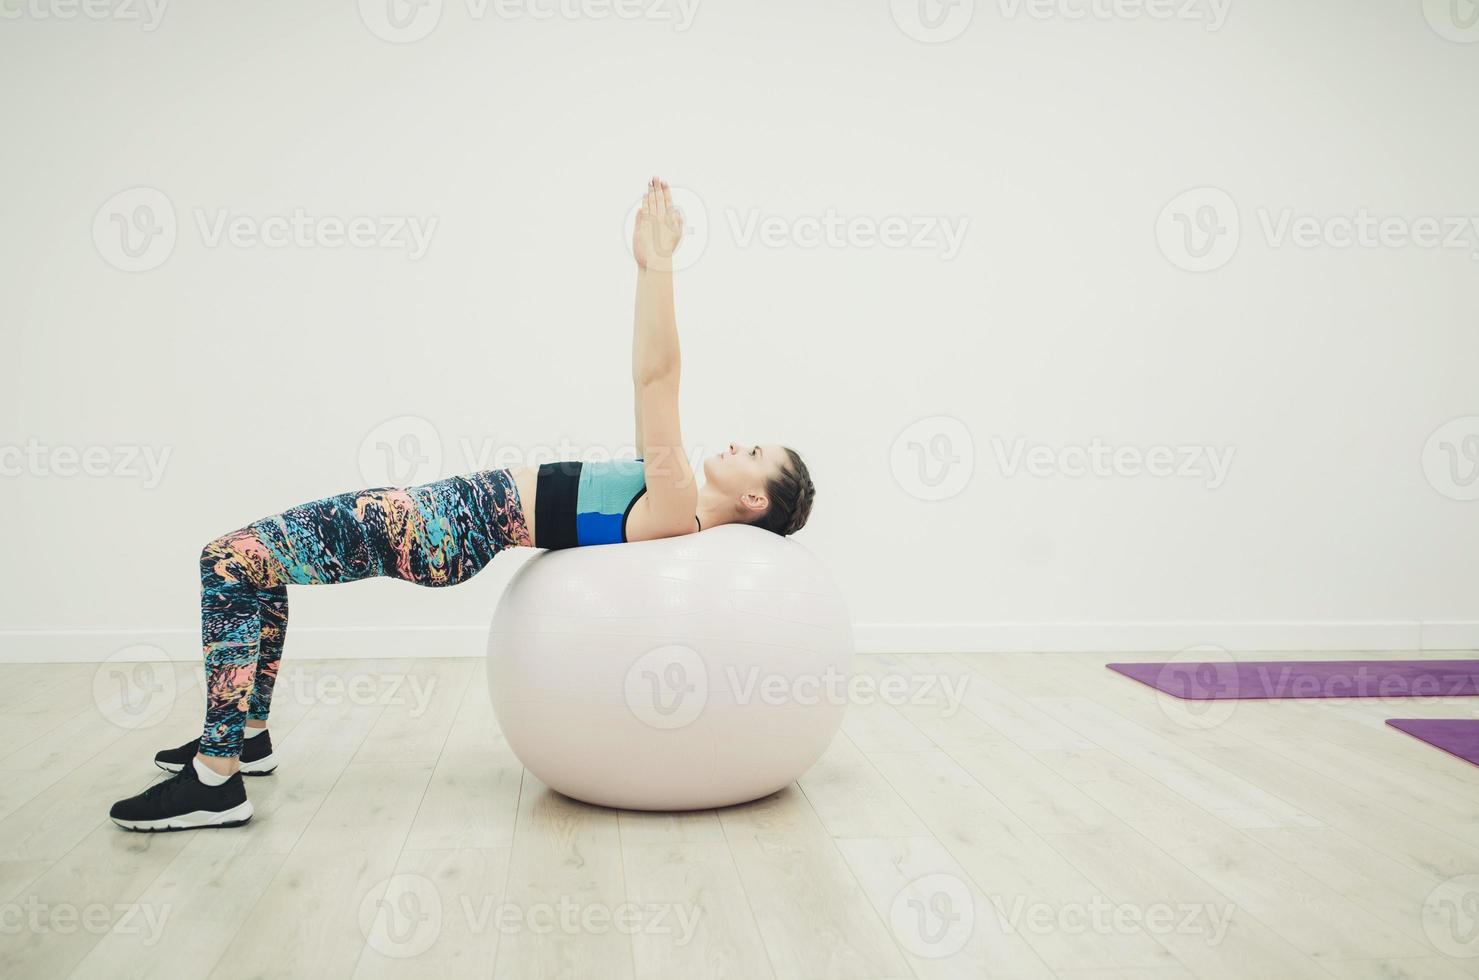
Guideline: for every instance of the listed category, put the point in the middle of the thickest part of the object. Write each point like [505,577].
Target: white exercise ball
[678,674]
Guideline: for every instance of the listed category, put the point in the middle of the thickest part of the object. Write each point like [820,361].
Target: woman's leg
[273,607]
[436,534]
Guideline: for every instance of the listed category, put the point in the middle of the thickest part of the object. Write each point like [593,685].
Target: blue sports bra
[577,504]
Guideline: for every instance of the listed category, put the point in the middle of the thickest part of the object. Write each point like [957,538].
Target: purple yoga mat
[1458,737]
[1219,681]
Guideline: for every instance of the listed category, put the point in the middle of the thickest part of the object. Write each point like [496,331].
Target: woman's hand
[659,229]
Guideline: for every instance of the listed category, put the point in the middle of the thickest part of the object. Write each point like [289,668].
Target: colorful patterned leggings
[437,534]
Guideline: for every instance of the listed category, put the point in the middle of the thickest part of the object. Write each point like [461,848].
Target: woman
[444,533]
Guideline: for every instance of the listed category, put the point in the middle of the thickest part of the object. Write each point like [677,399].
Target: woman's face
[743,468]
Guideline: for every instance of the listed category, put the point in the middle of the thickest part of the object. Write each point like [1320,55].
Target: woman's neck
[713,508]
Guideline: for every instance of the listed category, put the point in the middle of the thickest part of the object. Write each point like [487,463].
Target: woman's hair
[791,493]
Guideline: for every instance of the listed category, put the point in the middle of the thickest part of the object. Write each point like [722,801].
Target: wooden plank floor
[1015,815]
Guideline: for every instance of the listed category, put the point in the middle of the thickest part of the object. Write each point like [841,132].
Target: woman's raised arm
[655,238]
[656,363]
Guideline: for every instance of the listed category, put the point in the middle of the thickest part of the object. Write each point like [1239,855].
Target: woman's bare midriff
[526,478]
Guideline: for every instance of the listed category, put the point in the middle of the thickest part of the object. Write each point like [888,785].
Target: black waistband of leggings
[554,505]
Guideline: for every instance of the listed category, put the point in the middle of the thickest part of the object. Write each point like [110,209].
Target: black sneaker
[183,802]
[256,756]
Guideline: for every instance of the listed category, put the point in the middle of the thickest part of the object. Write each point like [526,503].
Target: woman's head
[769,485]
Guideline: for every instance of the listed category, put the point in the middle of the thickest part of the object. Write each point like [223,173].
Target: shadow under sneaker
[256,756]
[183,802]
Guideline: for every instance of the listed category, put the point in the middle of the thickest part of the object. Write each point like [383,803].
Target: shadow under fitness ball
[679,674]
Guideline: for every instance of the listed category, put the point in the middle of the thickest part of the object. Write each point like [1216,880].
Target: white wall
[1055,141]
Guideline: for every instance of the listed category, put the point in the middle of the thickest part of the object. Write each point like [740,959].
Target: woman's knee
[240,556]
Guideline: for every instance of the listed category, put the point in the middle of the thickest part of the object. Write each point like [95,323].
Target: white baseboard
[304,642]
[1165,637]
[387,643]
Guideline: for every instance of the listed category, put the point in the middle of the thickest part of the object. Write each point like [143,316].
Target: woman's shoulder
[640,524]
